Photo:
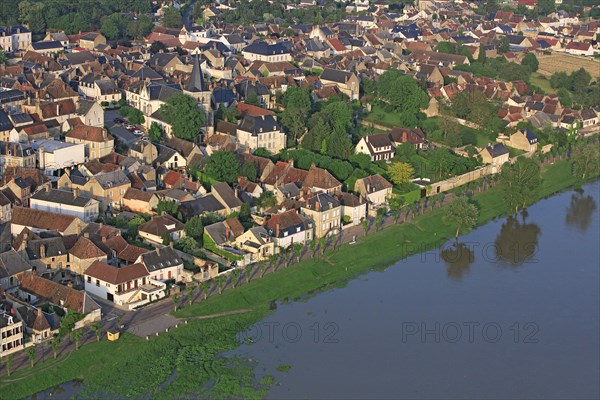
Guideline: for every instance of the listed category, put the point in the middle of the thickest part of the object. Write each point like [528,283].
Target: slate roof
[11,263]
[110,179]
[262,48]
[259,124]
[47,45]
[43,248]
[164,257]
[497,150]
[227,194]
[62,197]
[335,75]
[204,204]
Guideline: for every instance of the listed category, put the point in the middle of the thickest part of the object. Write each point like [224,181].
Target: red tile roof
[44,220]
[114,275]
[54,292]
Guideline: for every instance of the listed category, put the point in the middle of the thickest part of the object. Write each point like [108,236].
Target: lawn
[193,350]
[542,82]
[512,152]
[379,116]
[210,245]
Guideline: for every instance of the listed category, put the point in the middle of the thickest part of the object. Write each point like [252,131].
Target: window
[89,279]
[97,282]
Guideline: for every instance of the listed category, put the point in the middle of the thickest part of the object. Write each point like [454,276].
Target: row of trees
[499,68]
[75,16]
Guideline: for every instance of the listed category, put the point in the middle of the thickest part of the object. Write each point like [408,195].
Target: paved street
[122,134]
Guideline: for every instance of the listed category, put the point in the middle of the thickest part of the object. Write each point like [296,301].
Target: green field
[379,116]
[133,367]
[542,82]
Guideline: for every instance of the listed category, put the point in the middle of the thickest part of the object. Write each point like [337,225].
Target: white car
[137,132]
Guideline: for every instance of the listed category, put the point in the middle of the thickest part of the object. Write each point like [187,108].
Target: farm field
[568,63]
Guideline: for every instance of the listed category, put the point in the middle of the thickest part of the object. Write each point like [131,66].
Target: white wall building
[68,203]
[54,155]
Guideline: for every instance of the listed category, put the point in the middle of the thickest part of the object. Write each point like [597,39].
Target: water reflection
[580,211]
[458,258]
[517,241]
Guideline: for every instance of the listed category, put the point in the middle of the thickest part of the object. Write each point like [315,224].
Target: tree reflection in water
[580,211]
[517,241]
[458,258]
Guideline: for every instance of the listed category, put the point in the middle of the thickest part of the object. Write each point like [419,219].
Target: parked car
[130,127]
[137,132]
[118,120]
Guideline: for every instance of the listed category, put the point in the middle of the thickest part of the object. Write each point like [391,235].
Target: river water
[512,311]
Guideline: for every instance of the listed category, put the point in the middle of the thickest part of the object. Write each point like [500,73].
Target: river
[511,312]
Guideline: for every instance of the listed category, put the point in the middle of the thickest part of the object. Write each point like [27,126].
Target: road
[122,134]
[187,21]
[156,317]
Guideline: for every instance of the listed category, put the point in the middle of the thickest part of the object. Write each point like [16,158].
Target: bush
[104,103]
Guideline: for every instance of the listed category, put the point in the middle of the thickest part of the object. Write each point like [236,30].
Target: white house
[288,228]
[64,202]
[129,286]
[262,51]
[163,264]
[54,155]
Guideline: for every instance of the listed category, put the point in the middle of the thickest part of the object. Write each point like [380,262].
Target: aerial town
[184,148]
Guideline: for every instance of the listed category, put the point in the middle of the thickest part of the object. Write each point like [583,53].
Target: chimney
[367,139]
[86,235]
[158,251]
[42,250]
[317,205]
[75,192]
[57,109]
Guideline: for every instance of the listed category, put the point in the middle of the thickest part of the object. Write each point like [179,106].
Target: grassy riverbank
[133,367]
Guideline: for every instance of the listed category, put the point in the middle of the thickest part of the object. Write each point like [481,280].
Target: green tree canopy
[171,18]
[223,166]
[183,114]
[401,91]
[520,181]
[531,62]
[297,103]
[461,214]
[155,132]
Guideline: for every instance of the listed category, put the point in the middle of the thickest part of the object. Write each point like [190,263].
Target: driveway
[122,134]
